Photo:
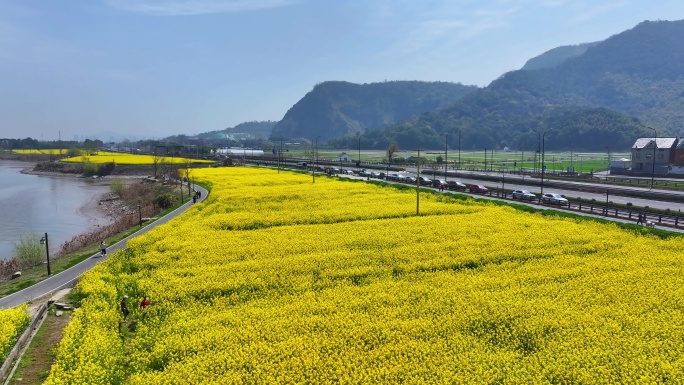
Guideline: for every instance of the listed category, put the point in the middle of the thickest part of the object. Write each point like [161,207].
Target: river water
[61,206]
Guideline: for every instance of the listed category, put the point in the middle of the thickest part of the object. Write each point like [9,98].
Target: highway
[580,189]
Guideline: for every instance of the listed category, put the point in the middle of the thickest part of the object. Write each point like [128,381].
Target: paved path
[69,276]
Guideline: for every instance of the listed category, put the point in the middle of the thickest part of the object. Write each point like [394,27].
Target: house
[653,155]
[344,157]
[677,167]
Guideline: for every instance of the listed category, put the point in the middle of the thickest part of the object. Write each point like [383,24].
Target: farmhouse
[344,157]
[653,155]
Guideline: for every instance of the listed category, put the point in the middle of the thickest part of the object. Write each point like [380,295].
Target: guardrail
[598,209]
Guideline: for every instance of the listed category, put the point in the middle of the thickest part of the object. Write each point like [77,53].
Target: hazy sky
[154,68]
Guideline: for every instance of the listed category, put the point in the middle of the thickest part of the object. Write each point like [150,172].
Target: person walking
[640,219]
[103,248]
[124,306]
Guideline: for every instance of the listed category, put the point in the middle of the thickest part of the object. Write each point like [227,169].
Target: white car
[555,199]
[524,194]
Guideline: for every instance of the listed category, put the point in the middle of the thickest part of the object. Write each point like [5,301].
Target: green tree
[117,186]
[28,250]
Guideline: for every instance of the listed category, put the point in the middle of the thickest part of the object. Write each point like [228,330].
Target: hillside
[337,109]
[553,57]
[637,74]
[246,130]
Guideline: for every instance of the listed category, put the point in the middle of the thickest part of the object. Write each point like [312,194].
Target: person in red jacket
[144,303]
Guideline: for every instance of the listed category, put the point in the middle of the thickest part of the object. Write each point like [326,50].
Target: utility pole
[418,185]
[446,156]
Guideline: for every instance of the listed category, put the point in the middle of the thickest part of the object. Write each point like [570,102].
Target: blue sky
[154,68]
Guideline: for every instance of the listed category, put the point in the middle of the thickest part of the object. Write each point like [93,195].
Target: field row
[279,280]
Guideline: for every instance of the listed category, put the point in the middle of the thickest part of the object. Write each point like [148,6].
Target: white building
[344,157]
[239,151]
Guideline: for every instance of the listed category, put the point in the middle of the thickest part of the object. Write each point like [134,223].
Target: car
[425,181]
[393,176]
[456,185]
[364,172]
[374,174]
[553,198]
[409,179]
[348,172]
[439,183]
[478,188]
[524,194]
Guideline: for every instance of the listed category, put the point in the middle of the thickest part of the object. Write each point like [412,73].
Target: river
[61,206]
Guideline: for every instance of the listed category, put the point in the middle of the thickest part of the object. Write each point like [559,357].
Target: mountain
[337,109]
[622,85]
[555,56]
[246,130]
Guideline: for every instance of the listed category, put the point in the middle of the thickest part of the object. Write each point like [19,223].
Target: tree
[394,147]
[28,250]
[156,159]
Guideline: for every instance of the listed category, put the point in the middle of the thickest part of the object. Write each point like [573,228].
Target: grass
[511,160]
[35,363]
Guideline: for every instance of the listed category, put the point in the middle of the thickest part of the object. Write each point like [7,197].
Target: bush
[74,152]
[106,168]
[117,187]
[89,169]
[165,200]
[28,250]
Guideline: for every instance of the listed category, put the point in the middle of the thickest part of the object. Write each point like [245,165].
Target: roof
[660,142]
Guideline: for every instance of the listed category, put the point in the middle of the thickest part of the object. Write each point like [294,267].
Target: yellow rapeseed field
[277,280]
[12,323]
[120,158]
[47,151]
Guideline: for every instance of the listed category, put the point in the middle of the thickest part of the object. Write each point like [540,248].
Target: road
[69,276]
[516,182]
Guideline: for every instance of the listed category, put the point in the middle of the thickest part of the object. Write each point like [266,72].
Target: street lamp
[44,241]
[655,145]
[459,148]
[418,185]
[315,156]
[543,166]
[358,164]
[446,155]
[280,154]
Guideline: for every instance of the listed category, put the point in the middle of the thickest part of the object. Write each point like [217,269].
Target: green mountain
[620,86]
[337,109]
[553,57]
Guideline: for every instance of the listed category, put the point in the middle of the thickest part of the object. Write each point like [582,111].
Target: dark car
[424,181]
[478,188]
[456,185]
[439,183]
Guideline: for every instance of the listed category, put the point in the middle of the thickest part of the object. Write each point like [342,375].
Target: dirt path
[36,362]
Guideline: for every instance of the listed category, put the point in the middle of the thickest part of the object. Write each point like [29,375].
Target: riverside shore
[80,212]
[107,206]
